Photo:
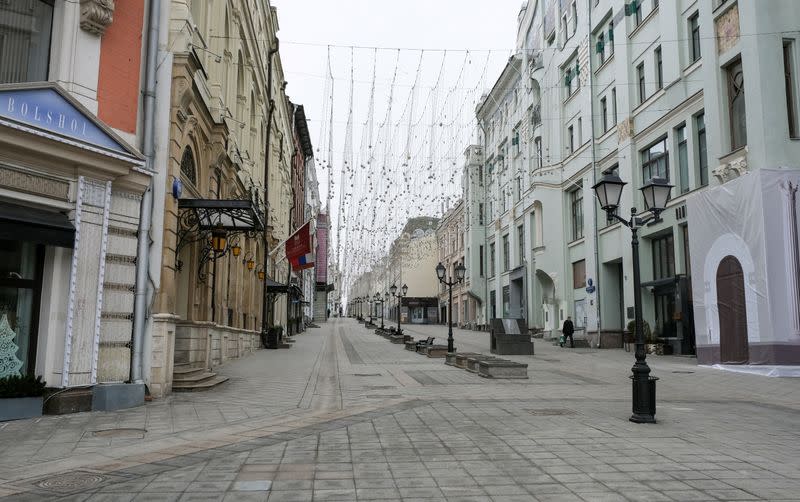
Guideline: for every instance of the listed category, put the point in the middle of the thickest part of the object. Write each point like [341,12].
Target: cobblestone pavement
[345,415]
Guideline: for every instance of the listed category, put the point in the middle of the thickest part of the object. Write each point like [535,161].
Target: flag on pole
[298,248]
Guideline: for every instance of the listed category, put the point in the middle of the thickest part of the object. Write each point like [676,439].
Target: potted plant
[21,397]
[630,336]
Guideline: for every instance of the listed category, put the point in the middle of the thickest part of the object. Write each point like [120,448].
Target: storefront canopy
[21,223]
[231,215]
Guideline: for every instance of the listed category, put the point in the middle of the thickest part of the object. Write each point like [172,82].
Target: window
[683,158]
[570,139]
[480,175]
[480,253]
[506,254]
[604,114]
[506,301]
[580,131]
[187,166]
[687,259]
[601,48]
[654,161]
[538,146]
[694,36]
[571,79]
[611,38]
[480,213]
[614,104]
[520,244]
[637,13]
[493,303]
[574,17]
[702,153]
[579,274]
[663,257]
[640,80]
[659,69]
[492,256]
[25,32]
[736,105]
[576,203]
[791,90]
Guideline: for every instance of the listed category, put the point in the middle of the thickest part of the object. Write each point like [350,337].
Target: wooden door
[732,312]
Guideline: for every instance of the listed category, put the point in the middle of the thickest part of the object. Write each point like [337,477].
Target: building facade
[640,90]
[71,183]
[450,238]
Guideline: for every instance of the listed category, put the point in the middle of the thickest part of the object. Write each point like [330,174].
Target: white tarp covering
[761,369]
[747,225]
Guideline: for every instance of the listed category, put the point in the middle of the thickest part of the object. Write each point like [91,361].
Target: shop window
[663,257]
[25,32]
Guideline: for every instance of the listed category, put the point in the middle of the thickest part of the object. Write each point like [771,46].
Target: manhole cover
[120,433]
[684,372]
[552,412]
[366,374]
[71,482]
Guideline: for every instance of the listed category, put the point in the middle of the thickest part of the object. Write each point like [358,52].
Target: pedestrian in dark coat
[568,329]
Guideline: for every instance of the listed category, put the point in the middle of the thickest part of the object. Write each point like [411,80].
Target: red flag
[298,248]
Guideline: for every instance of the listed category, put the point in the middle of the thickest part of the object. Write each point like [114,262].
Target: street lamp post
[379,300]
[371,306]
[399,295]
[656,195]
[385,299]
[450,282]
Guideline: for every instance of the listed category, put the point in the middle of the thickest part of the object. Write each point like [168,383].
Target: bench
[473,361]
[461,358]
[421,344]
[502,368]
[436,350]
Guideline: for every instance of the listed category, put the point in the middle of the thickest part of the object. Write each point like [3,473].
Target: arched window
[187,166]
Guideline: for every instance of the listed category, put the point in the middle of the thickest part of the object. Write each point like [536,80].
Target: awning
[660,283]
[231,215]
[21,223]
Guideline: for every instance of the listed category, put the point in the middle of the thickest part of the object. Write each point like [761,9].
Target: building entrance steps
[189,378]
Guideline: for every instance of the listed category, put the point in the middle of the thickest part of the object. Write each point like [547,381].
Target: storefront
[70,191]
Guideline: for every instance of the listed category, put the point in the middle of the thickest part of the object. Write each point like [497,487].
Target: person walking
[567,330]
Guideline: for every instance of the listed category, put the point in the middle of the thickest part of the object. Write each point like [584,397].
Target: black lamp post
[450,282]
[656,195]
[399,295]
[371,306]
[385,299]
[379,301]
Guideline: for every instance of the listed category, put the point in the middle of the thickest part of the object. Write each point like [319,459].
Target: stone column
[792,254]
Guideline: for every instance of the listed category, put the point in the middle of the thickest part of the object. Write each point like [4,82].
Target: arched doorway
[732,308]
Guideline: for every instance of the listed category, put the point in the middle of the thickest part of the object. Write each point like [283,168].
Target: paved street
[345,415]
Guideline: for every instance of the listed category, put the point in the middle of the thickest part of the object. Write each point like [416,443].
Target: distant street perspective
[432,250]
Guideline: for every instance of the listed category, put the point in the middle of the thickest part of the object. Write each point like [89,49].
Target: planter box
[450,359]
[474,361]
[17,408]
[412,346]
[461,359]
[501,368]
[437,351]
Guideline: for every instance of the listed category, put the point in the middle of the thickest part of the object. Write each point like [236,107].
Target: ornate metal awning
[215,222]
[229,215]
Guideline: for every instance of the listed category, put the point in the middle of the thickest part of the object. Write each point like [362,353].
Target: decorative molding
[731,170]
[726,29]
[100,281]
[37,184]
[73,278]
[625,129]
[96,15]
[95,193]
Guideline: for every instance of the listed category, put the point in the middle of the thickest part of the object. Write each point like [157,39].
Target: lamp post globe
[405,290]
[393,289]
[440,271]
[609,192]
[461,271]
[656,194]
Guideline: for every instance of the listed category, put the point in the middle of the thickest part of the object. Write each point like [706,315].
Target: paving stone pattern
[346,415]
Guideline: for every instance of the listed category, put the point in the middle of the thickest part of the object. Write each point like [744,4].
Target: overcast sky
[409,162]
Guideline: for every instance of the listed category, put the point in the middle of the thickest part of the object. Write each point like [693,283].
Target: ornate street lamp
[219,240]
[399,295]
[441,271]
[260,273]
[656,195]
[236,249]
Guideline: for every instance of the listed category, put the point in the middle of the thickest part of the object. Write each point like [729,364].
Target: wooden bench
[424,343]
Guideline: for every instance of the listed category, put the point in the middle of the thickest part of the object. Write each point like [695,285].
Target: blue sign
[48,110]
[177,188]
[589,286]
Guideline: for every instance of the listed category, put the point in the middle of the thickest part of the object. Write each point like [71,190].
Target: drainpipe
[142,287]
[271,105]
[482,183]
[594,181]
